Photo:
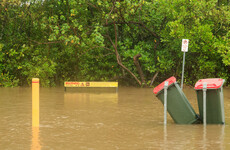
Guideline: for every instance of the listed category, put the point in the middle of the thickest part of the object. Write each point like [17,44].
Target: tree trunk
[153,79]
[136,62]
[118,56]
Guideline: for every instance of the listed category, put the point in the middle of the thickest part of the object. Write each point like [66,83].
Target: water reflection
[35,145]
[77,99]
[213,136]
[204,137]
[192,137]
[165,137]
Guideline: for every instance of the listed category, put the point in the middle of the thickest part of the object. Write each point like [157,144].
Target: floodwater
[132,118]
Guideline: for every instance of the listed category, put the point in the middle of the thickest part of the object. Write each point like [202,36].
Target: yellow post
[35,102]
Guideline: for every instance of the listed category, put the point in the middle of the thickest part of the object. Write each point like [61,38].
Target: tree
[134,41]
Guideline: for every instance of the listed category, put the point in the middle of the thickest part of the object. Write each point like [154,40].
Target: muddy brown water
[132,118]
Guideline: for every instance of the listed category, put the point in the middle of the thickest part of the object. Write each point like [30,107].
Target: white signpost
[184,48]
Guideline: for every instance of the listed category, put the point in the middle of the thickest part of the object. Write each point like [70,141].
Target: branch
[39,43]
[103,55]
[117,55]
[140,4]
[106,21]
[94,6]
[138,66]
[154,78]
[97,47]
[138,23]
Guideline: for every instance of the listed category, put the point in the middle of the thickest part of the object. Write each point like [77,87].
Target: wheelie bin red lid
[170,80]
[212,83]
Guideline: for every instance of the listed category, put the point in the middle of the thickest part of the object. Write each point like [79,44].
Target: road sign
[184,47]
[90,84]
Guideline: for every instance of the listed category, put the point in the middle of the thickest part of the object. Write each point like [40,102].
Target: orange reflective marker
[35,102]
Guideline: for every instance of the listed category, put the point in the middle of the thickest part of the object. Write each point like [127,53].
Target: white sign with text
[184,47]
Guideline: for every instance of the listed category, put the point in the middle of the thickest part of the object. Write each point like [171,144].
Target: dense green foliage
[96,40]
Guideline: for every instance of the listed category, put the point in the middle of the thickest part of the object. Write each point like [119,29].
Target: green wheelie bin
[214,100]
[178,106]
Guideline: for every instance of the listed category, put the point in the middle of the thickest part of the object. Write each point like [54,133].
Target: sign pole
[204,104]
[182,78]
[165,102]
[184,49]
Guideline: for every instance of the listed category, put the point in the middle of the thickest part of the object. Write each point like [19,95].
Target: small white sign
[184,47]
